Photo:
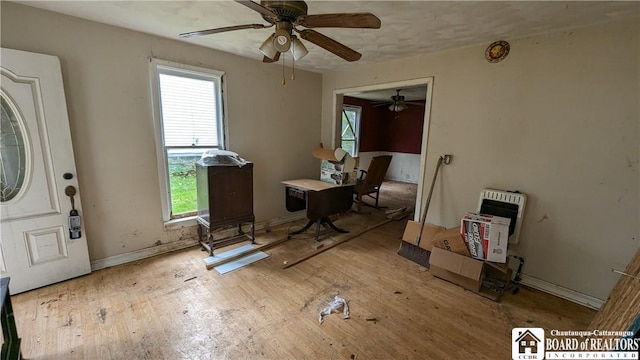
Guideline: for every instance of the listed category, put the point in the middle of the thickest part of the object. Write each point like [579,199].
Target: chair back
[376,172]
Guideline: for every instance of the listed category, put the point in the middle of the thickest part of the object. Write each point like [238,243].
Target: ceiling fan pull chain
[293,68]
[283,80]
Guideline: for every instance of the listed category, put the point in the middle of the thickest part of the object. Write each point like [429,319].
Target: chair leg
[377,196]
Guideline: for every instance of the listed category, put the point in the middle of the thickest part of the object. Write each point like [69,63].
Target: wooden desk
[11,345]
[320,199]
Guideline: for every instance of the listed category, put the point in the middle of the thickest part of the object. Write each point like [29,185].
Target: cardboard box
[486,236]
[413,228]
[456,268]
[451,240]
[337,166]
[469,273]
[437,236]
[329,165]
[333,175]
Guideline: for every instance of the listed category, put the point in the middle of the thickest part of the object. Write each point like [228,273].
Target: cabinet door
[230,193]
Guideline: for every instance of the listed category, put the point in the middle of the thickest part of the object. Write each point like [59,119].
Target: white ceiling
[408,27]
[410,93]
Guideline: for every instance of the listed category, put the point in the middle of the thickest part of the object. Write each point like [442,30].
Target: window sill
[175,224]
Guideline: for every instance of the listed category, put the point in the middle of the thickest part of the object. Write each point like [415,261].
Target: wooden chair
[371,179]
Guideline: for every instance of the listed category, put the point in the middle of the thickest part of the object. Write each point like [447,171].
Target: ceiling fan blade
[259,8]
[354,20]
[416,103]
[223,29]
[269,60]
[330,45]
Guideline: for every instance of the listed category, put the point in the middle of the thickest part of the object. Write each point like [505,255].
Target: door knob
[70,191]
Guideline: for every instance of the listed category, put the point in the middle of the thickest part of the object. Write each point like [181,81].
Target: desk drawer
[296,199]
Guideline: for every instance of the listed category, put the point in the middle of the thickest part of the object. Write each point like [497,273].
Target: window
[13,151]
[350,131]
[188,120]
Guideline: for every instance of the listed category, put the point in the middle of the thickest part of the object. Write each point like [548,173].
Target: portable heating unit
[508,204]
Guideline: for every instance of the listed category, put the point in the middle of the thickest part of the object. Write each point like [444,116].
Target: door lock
[74,217]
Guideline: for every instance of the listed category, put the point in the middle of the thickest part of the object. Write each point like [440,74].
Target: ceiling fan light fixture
[398,106]
[286,16]
[282,40]
[268,48]
[298,49]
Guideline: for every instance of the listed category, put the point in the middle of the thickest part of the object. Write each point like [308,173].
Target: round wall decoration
[497,51]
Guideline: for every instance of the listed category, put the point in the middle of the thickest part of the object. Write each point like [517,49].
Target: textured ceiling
[410,93]
[408,27]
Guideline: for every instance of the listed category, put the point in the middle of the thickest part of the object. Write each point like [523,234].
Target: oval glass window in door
[13,156]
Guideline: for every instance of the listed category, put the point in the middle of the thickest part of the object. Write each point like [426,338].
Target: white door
[36,248]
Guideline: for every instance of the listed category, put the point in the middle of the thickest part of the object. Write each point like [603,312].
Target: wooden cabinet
[225,199]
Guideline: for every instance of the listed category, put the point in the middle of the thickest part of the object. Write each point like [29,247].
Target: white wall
[403,167]
[558,119]
[105,70]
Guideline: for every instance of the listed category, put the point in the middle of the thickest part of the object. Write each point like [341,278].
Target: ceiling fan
[397,103]
[287,16]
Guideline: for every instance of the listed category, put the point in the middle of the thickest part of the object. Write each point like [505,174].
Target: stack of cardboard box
[473,255]
[337,166]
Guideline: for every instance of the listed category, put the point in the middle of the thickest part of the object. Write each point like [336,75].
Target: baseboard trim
[181,244]
[141,254]
[562,292]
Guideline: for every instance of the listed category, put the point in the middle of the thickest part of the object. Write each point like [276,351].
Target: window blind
[189,111]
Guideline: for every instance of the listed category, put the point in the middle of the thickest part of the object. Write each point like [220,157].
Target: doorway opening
[394,121]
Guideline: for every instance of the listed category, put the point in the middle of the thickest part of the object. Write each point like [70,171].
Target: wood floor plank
[146,309]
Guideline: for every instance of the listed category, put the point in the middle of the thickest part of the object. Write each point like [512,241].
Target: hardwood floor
[171,307]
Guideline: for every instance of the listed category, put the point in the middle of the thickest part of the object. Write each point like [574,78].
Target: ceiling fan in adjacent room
[287,16]
[398,103]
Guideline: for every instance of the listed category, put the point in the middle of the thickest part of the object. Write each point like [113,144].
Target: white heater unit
[505,204]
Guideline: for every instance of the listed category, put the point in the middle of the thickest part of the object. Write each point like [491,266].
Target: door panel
[36,248]
[23,98]
[46,245]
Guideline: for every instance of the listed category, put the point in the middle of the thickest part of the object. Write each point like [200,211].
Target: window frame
[356,142]
[157,67]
